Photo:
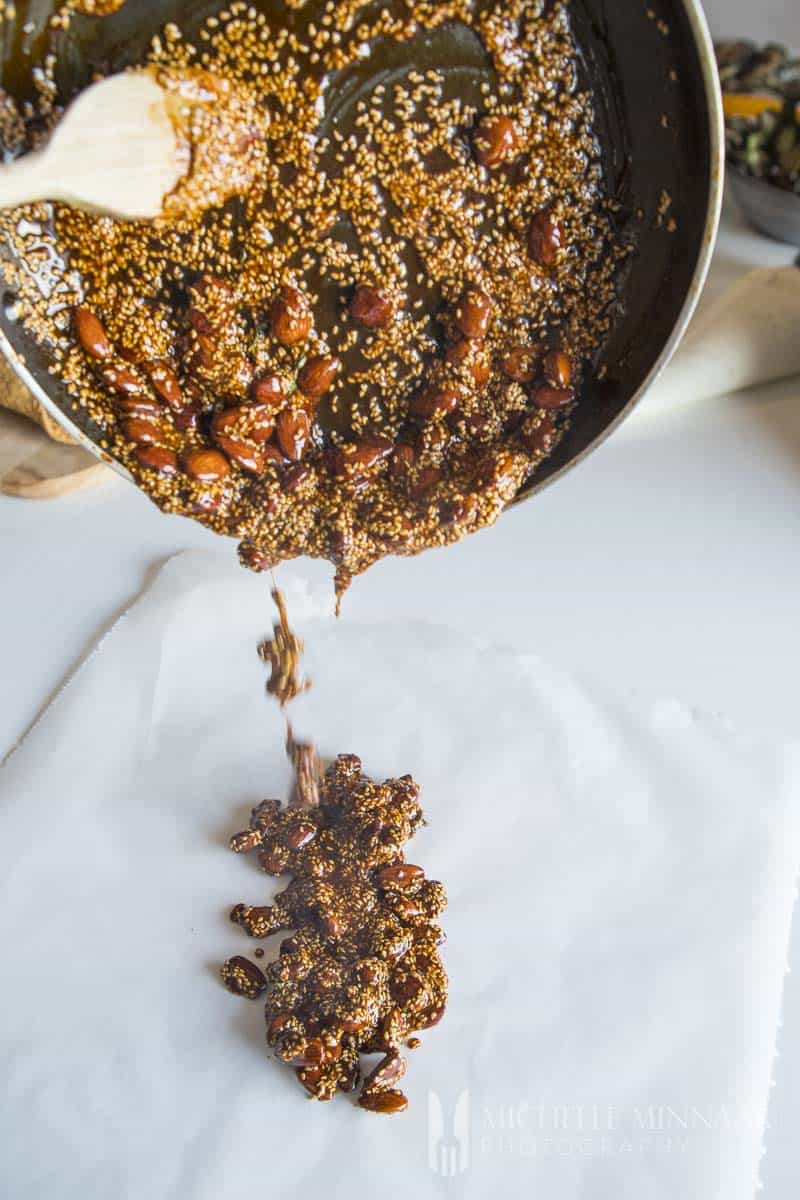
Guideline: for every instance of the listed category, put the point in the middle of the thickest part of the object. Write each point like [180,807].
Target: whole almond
[158,458]
[521,363]
[165,382]
[138,406]
[539,436]
[203,353]
[122,380]
[241,843]
[311,1055]
[293,431]
[291,318]
[143,431]
[277,1026]
[389,1071]
[371,307]
[553,397]
[318,375]
[472,359]
[254,422]
[399,876]
[368,451]
[249,458]
[259,421]
[310,1078]
[267,389]
[495,140]
[558,369]
[433,402]
[332,926]
[206,466]
[301,835]
[188,421]
[243,978]
[473,313]
[386,1101]
[406,908]
[544,238]
[92,334]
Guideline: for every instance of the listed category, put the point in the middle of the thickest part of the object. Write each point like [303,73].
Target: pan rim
[716,193]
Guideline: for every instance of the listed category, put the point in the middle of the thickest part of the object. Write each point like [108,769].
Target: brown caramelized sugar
[361,970]
[95,8]
[420,257]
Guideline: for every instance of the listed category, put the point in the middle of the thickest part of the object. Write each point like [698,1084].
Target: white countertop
[770,20]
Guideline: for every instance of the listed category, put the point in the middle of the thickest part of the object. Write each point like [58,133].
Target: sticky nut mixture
[365,319]
[361,970]
[282,653]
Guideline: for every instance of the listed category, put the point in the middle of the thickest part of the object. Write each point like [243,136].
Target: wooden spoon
[115,150]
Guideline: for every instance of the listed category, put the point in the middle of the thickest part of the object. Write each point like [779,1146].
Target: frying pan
[659,119]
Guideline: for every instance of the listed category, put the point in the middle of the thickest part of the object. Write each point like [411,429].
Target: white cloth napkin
[744,332]
[748,336]
[621,876]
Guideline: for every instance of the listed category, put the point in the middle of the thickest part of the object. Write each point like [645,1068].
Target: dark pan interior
[653,119]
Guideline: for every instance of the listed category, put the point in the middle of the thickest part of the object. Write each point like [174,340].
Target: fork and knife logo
[448,1136]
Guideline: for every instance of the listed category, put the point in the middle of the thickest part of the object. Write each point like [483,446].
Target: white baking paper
[621,877]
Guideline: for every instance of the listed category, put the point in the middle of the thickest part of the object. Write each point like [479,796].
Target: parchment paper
[621,876]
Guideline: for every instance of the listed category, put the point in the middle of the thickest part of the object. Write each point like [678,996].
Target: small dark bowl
[772,210]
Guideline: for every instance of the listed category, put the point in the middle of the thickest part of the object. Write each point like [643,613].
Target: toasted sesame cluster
[367,315]
[282,653]
[96,8]
[61,19]
[361,972]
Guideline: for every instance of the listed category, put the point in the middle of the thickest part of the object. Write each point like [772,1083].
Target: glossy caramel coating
[361,971]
